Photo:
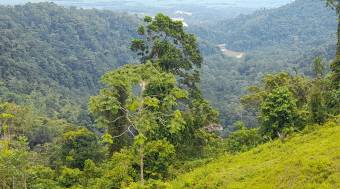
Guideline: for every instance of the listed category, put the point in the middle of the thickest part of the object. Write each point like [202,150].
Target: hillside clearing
[304,161]
[230,53]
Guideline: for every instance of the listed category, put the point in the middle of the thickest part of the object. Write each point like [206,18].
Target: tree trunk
[143,87]
[25,181]
[13,183]
[142,165]
[119,125]
[335,66]
[338,31]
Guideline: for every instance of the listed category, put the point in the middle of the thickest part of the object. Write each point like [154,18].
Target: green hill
[287,38]
[54,56]
[302,23]
[309,160]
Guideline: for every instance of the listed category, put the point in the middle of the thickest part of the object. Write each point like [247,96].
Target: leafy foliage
[279,113]
[52,57]
[243,140]
[286,39]
[166,43]
[79,146]
[144,97]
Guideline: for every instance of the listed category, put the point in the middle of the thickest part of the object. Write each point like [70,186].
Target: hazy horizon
[161,3]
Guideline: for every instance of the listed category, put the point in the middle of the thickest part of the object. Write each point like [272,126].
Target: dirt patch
[230,53]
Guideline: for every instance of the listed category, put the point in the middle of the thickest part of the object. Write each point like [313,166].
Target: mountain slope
[304,161]
[56,55]
[281,39]
[298,24]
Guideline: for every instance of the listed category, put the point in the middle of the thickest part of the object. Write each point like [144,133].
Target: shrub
[243,140]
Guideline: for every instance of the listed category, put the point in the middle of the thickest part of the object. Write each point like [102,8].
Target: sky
[162,3]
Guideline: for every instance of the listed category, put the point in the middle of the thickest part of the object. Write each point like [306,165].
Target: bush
[243,140]
[159,155]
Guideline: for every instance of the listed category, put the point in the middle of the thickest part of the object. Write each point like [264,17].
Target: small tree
[79,146]
[335,66]
[243,140]
[279,113]
[158,156]
[318,67]
[317,105]
[14,163]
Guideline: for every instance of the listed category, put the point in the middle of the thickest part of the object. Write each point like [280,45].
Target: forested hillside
[286,38]
[52,57]
[303,23]
[51,52]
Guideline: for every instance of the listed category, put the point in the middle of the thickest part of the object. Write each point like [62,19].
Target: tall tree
[317,106]
[151,110]
[335,66]
[164,42]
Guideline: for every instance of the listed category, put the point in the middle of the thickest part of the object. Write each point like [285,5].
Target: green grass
[309,160]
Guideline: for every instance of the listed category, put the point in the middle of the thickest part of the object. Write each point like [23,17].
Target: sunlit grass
[310,161]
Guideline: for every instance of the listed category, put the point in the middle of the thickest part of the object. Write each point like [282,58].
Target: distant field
[230,53]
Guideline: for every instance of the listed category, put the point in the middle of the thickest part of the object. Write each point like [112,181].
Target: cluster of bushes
[285,104]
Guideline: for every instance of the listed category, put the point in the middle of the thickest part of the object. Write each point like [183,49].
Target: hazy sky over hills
[164,3]
[199,11]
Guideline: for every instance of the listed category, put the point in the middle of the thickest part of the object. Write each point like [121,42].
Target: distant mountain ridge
[303,22]
[202,11]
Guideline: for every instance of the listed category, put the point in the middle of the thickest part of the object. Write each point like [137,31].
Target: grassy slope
[304,161]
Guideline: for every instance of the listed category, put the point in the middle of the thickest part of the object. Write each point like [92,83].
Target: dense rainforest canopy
[288,39]
[65,51]
[54,56]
